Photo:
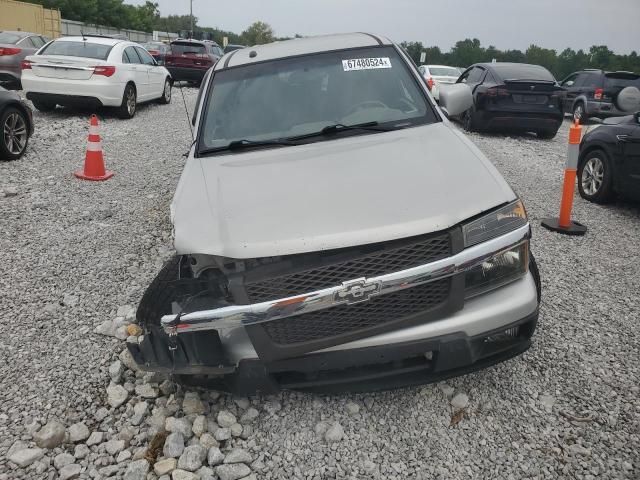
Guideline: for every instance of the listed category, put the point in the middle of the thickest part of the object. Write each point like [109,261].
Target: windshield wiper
[244,143]
[340,127]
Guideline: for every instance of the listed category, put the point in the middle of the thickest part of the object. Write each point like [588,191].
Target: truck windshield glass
[98,51]
[300,96]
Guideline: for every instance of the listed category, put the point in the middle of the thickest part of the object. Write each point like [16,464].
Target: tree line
[469,51]
[115,13]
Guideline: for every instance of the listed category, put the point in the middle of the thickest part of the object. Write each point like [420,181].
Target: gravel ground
[77,256]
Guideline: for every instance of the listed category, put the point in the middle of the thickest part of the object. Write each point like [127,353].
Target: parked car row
[522,97]
[186,59]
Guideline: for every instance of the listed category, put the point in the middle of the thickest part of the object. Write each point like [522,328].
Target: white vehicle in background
[435,75]
[94,71]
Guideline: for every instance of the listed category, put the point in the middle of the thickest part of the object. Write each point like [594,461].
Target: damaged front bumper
[490,328]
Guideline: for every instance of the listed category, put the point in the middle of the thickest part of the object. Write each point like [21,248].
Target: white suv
[96,71]
[335,231]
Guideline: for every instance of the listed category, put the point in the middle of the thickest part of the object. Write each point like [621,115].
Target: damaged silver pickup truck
[335,232]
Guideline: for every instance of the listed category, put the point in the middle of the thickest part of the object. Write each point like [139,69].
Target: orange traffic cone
[94,162]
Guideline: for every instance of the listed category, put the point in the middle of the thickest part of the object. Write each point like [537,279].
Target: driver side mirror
[568,83]
[455,99]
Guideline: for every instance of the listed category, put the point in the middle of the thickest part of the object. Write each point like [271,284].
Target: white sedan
[435,75]
[94,71]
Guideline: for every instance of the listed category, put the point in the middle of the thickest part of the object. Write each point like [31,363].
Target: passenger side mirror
[628,100]
[455,99]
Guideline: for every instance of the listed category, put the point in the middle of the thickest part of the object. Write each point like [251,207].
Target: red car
[157,50]
[189,60]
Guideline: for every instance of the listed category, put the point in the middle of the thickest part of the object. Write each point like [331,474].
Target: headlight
[502,268]
[494,224]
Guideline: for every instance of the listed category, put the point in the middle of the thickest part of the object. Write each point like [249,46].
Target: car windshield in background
[98,51]
[300,96]
[523,72]
[444,72]
[187,48]
[157,47]
[9,38]
[622,80]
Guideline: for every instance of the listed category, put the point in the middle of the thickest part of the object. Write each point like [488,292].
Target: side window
[579,81]
[144,56]
[570,81]
[130,56]
[37,42]
[593,80]
[476,75]
[464,78]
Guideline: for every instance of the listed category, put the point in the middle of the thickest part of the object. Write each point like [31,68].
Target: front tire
[127,108]
[595,177]
[15,133]
[467,120]
[580,113]
[546,134]
[166,93]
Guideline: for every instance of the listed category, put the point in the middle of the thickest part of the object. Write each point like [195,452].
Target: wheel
[546,134]
[595,177]
[158,296]
[15,133]
[579,113]
[467,120]
[166,93]
[44,106]
[128,107]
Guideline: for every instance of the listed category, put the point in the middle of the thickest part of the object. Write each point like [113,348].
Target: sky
[506,24]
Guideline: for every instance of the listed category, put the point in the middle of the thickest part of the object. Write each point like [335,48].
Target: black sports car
[16,125]
[609,160]
[513,96]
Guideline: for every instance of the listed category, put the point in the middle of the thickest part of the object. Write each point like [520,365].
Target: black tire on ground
[127,108]
[44,106]
[533,268]
[595,177]
[159,295]
[166,92]
[580,113]
[467,120]
[14,133]
[546,134]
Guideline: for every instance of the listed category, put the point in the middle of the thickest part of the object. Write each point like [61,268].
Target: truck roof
[300,46]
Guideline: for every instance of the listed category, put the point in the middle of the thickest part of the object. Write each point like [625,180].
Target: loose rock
[238,455]
[137,470]
[174,445]
[26,456]
[78,432]
[233,471]
[192,458]
[51,435]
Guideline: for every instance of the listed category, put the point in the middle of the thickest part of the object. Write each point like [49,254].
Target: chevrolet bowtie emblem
[355,291]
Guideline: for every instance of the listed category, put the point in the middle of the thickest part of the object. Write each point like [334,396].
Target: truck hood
[333,194]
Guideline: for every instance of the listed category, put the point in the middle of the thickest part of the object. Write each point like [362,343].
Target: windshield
[444,72]
[186,48]
[622,80]
[155,47]
[9,38]
[78,49]
[523,71]
[302,95]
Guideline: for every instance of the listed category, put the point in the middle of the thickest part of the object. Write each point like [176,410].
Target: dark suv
[592,93]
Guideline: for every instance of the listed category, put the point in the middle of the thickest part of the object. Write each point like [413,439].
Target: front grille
[344,319]
[385,258]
